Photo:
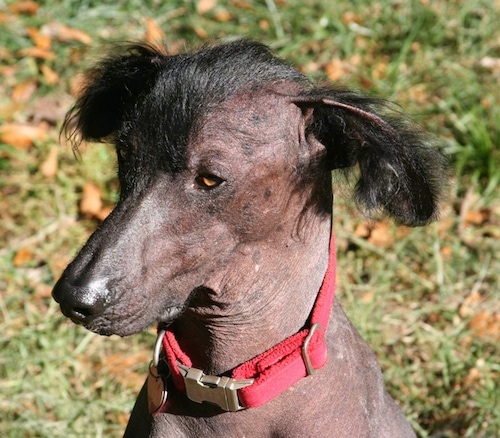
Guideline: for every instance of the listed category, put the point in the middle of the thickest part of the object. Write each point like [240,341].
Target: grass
[425,299]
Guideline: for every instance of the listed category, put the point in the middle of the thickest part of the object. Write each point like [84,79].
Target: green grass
[416,295]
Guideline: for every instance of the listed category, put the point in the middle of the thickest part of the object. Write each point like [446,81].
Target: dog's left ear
[401,173]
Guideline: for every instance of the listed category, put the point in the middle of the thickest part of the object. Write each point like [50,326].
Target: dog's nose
[81,304]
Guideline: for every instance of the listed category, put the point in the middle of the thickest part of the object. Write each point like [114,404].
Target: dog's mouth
[106,327]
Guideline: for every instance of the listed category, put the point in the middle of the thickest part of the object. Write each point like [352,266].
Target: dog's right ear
[111,87]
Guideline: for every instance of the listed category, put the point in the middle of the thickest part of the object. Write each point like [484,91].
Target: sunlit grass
[425,299]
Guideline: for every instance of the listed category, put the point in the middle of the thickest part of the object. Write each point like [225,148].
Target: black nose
[80,303]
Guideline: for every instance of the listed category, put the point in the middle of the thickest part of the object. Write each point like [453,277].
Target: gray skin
[238,267]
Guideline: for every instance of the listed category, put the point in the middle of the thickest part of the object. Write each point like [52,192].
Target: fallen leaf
[22,136]
[154,34]
[50,76]
[477,217]
[418,93]
[200,32]
[223,16]
[473,376]
[362,230]
[104,213]
[63,33]
[8,110]
[24,7]
[40,40]
[446,252]
[22,257]
[36,52]
[8,71]
[243,4]
[264,25]
[43,290]
[49,166]
[91,202]
[351,17]
[121,367]
[470,304]
[380,235]
[205,6]
[50,109]
[24,91]
[377,233]
[5,18]
[486,325]
[337,69]
[379,70]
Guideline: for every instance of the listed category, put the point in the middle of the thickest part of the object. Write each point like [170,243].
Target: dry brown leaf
[24,7]
[264,25]
[362,230]
[200,32]
[50,76]
[470,304]
[8,71]
[64,33]
[51,108]
[50,165]
[223,16]
[43,290]
[22,257]
[379,70]
[205,6]
[22,136]
[121,366]
[337,69]
[446,252]
[40,40]
[477,217]
[351,17]
[154,34]
[5,18]
[485,325]
[418,93]
[9,109]
[36,52]
[91,202]
[243,4]
[380,235]
[377,233]
[24,91]
[104,213]
[472,377]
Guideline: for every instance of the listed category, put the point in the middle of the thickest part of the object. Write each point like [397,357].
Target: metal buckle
[305,354]
[220,391]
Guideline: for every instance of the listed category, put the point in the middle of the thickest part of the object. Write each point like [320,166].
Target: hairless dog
[222,237]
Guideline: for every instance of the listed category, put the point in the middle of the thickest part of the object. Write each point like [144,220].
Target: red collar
[264,377]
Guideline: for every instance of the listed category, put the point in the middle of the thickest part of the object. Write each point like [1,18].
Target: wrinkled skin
[231,248]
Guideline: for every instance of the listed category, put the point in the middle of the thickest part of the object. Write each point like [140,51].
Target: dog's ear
[110,88]
[401,172]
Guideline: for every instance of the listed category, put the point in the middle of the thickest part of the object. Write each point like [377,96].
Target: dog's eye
[208,181]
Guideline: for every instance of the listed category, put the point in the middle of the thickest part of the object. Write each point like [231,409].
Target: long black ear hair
[110,89]
[402,173]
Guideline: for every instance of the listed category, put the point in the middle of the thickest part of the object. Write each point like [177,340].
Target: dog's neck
[263,296]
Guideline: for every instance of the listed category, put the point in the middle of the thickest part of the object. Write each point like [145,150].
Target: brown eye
[208,181]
